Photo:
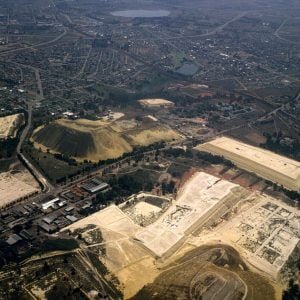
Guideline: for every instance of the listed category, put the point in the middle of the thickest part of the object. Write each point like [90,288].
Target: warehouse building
[95,185]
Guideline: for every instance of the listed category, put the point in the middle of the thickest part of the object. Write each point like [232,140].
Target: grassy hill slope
[97,140]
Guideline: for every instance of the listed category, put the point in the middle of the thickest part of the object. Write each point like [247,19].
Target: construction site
[202,198]
[139,238]
[156,103]
[266,164]
[266,232]
[144,208]
[15,187]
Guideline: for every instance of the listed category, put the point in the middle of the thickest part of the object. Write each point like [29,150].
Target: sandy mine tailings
[210,271]
[267,233]
[13,189]
[133,265]
[156,103]
[264,163]
[98,140]
[200,200]
[10,124]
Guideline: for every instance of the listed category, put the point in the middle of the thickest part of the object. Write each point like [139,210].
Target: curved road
[47,187]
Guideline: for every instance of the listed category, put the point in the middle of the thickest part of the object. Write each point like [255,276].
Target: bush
[59,244]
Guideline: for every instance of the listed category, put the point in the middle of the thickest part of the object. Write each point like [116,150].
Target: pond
[188,69]
[141,13]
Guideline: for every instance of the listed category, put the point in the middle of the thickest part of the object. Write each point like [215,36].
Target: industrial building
[54,203]
[94,185]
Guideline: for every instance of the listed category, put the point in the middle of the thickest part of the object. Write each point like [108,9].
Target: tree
[293,291]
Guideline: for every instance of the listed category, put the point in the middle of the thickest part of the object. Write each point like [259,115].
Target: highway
[280,108]
[35,45]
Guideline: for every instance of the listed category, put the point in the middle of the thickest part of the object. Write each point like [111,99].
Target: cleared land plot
[111,218]
[155,103]
[268,233]
[266,164]
[199,199]
[12,189]
[207,272]
[9,125]
[112,242]
[146,209]
[99,140]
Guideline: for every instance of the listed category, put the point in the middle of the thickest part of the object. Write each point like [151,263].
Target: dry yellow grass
[99,140]
[152,135]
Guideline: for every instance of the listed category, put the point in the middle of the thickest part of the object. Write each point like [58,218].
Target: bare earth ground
[210,271]
[154,102]
[264,163]
[15,186]
[9,125]
[201,195]
[133,265]
[213,260]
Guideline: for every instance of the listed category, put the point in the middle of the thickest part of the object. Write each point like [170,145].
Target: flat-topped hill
[266,164]
[99,140]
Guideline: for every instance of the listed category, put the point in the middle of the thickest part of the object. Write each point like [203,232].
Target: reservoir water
[188,69]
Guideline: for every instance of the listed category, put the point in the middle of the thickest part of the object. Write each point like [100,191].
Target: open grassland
[98,140]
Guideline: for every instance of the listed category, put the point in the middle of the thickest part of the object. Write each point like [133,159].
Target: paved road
[46,185]
[36,45]
[274,111]
[212,32]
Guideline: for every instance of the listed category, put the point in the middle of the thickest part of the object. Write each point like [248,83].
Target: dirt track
[214,271]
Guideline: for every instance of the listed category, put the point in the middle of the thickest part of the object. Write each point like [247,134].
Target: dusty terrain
[238,250]
[268,165]
[155,103]
[198,200]
[133,265]
[14,187]
[265,231]
[211,271]
[9,125]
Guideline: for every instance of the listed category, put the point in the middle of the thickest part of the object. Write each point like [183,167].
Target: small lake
[188,69]
[141,13]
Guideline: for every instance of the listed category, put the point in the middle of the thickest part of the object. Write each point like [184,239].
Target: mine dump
[9,125]
[144,209]
[198,202]
[266,164]
[136,239]
[268,233]
[112,218]
[156,103]
[14,189]
[109,234]
[99,140]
